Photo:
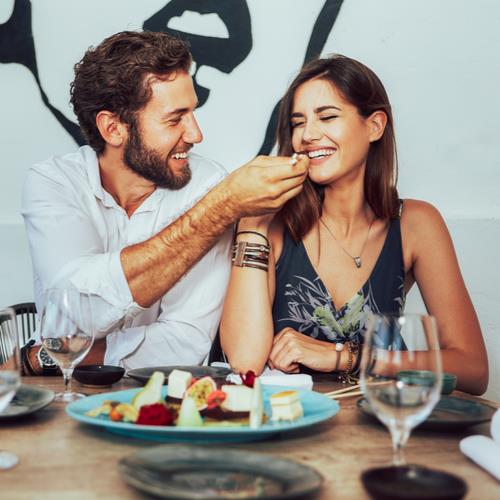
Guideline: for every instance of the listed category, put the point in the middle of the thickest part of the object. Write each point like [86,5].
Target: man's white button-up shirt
[76,231]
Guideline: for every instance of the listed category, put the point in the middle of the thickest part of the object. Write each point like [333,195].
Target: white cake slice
[286,405]
[238,398]
[178,382]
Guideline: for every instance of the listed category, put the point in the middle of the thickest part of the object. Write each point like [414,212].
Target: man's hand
[291,348]
[265,184]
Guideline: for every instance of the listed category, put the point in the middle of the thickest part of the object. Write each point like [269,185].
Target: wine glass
[67,332]
[10,378]
[401,373]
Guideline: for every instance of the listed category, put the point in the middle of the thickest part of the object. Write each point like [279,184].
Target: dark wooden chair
[216,353]
[26,320]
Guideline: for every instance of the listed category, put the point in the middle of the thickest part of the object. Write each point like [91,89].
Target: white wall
[438,59]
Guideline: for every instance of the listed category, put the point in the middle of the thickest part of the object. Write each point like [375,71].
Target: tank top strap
[288,252]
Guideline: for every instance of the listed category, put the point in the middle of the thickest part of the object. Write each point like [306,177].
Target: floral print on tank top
[311,309]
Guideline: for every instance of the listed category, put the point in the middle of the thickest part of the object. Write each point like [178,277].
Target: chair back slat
[26,317]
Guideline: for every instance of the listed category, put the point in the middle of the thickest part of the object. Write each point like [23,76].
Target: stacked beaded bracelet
[347,376]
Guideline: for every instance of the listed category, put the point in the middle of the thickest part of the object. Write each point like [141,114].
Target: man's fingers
[283,167]
[288,195]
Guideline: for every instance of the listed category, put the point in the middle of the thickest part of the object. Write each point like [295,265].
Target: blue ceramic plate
[317,408]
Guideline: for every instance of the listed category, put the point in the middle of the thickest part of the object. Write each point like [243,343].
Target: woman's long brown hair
[361,87]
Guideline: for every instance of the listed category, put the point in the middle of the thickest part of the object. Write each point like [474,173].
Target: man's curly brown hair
[114,77]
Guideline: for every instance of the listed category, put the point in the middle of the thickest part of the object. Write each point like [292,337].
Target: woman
[345,245]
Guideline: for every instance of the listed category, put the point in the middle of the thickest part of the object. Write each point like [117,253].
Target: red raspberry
[155,414]
[248,378]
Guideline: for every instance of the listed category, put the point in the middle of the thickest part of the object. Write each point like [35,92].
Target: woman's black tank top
[303,303]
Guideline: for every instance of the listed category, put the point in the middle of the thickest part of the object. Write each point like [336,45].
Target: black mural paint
[17,46]
[322,27]
[224,54]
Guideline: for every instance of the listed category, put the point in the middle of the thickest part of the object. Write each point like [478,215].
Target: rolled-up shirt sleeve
[67,250]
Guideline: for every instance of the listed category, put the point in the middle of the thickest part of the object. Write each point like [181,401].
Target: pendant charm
[357,261]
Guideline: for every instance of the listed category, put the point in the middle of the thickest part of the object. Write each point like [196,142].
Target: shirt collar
[95,177]
[149,204]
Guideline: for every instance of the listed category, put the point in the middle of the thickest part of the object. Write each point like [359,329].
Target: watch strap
[26,367]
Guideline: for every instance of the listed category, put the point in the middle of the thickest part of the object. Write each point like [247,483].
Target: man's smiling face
[163,133]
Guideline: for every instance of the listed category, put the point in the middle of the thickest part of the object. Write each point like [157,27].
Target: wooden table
[63,459]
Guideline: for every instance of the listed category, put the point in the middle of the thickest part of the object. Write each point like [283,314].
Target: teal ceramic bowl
[423,377]
[449,383]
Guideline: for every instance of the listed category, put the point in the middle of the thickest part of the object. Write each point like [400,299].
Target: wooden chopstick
[341,391]
[346,395]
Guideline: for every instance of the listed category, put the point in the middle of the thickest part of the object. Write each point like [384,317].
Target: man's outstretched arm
[154,266]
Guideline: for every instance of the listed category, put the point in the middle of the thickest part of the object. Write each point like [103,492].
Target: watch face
[53,344]
[45,359]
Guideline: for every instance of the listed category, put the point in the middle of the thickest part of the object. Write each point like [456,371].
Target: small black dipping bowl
[98,374]
[412,482]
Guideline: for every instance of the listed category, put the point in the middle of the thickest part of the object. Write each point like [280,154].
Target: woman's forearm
[472,374]
[247,325]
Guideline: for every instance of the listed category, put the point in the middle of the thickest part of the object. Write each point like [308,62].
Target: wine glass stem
[67,374]
[399,437]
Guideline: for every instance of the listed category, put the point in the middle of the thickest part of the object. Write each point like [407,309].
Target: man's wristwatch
[48,365]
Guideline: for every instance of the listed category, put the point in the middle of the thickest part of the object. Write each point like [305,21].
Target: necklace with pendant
[357,259]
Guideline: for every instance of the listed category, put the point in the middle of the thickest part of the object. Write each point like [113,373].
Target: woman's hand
[291,348]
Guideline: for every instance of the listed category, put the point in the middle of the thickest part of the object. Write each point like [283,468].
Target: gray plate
[143,374]
[176,471]
[449,414]
[28,399]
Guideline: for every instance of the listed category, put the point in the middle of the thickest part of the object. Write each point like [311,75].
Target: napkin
[483,450]
[275,377]
[295,380]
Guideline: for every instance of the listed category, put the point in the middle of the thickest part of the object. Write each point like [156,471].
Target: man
[135,218]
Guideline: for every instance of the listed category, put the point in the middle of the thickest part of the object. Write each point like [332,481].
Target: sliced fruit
[115,416]
[104,409]
[200,390]
[215,399]
[151,392]
[128,412]
[189,416]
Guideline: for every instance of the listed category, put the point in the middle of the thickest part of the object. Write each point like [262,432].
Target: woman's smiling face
[330,131]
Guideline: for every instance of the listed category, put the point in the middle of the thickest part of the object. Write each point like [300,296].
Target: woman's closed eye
[328,118]
[296,124]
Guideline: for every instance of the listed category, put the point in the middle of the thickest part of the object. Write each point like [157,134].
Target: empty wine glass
[401,373]
[67,332]
[9,371]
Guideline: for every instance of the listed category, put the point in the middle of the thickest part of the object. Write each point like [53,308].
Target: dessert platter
[203,410]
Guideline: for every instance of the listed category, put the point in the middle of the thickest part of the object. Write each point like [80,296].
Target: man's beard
[149,164]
